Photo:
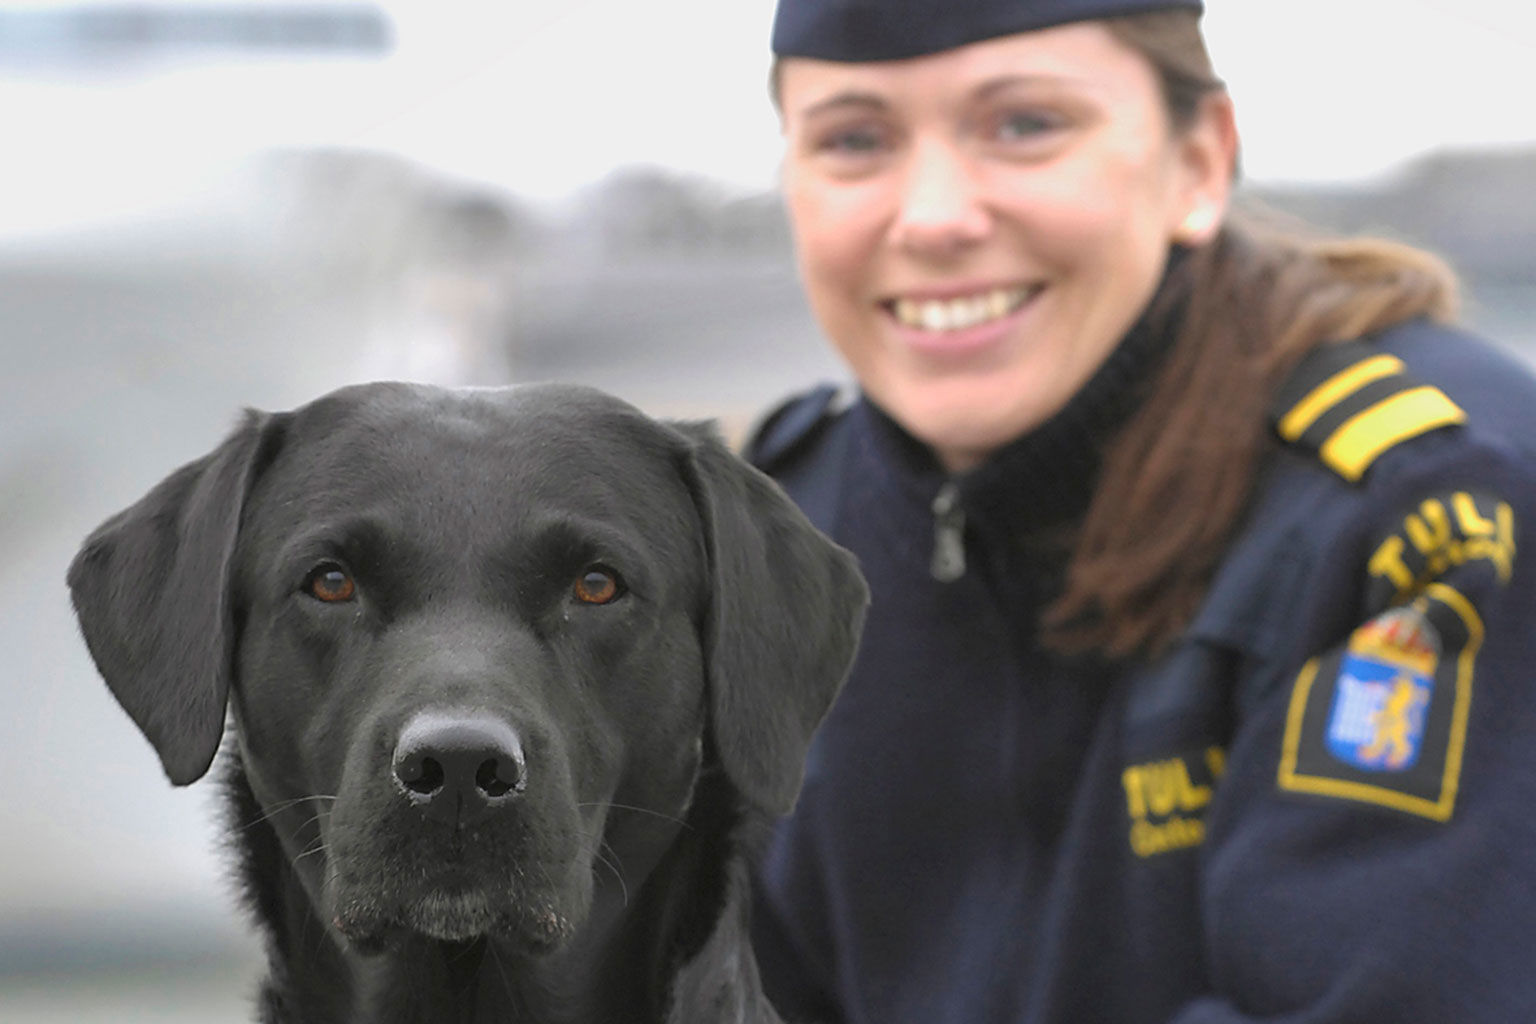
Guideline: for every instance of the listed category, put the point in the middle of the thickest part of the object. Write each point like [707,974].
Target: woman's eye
[861,141]
[330,583]
[1020,125]
[598,584]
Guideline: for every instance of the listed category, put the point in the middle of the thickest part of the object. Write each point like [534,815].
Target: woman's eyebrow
[872,101]
[1002,83]
[844,100]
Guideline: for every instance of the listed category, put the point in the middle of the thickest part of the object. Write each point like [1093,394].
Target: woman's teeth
[958,314]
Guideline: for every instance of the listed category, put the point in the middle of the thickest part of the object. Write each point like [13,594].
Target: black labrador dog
[512,678]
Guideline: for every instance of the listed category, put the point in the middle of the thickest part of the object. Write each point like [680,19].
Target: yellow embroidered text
[1166,804]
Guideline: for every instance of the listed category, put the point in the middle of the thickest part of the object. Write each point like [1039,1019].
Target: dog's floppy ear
[151,589]
[782,625]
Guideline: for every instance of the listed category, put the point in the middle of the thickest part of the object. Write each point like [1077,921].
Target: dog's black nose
[459,765]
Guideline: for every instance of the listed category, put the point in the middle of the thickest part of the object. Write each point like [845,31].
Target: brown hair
[1251,303]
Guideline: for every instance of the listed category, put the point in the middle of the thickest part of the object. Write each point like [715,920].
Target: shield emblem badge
[1385,683]
[1383,717]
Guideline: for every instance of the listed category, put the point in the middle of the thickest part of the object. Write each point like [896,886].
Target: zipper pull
[948,562]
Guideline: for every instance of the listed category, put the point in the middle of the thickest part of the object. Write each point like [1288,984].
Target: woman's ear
[1208,150]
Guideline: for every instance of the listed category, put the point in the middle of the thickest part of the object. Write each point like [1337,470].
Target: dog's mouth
[530,889]
[453,911]
[454,914]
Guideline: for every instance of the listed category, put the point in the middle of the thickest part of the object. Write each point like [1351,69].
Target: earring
[1195,226]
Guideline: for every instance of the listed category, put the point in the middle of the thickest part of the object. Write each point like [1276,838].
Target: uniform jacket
[1318,806]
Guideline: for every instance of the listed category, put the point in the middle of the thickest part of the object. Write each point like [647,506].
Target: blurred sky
[543,97]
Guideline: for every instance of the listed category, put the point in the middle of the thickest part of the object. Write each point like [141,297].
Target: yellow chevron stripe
[1352,448]
[1334,390]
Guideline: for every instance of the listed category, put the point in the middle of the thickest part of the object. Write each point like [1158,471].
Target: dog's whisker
[500,967]
[641,810]
[319,846]
[611,866]
[311,820]
[465,952]
[275,809]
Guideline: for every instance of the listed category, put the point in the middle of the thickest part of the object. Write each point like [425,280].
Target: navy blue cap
[870,30]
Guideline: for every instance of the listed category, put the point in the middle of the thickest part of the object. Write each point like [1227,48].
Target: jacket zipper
[948,562]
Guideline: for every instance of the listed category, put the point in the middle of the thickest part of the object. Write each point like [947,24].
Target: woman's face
[976,229]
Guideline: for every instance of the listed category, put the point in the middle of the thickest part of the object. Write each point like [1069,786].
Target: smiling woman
[1165,708]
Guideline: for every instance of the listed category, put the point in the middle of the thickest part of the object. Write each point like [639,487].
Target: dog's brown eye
[330,582]
[598,585]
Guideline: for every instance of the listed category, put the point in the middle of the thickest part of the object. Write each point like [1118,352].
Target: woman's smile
[958,330]
[949,315]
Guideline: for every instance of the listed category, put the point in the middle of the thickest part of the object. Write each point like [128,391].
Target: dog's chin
[455,915]
[462,916]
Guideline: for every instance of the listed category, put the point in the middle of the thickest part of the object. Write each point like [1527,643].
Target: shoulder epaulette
[792,424]
[1351,402]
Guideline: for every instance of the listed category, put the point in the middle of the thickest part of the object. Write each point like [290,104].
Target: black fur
[597,873]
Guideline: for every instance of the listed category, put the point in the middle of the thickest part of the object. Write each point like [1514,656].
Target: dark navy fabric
[870,30]
[993,834]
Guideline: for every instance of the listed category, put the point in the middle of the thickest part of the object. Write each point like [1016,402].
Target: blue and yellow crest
[1382,719]
[1385,683]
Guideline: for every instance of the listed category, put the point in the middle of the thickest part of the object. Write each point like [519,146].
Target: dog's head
[475,642]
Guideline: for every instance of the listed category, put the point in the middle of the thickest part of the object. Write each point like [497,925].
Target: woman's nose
[942,211]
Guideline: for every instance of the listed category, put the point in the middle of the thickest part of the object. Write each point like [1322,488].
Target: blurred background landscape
[205,206]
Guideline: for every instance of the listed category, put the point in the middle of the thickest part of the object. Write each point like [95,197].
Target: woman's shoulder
[797,428]
[1495,388]
[1415,400]
[1400,455]
[802,443]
